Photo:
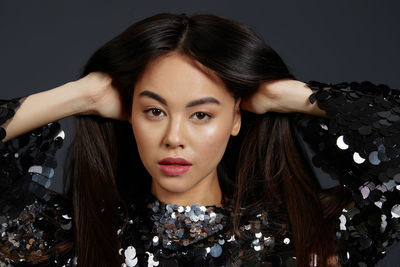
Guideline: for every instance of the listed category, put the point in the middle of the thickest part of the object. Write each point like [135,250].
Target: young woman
[195,146]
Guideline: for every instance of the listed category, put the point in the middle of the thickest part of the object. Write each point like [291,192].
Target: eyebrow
[193,103]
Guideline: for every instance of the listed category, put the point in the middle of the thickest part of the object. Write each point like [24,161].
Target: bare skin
[282,96]
[90,94]
[173,127]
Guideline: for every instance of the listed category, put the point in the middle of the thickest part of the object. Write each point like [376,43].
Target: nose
[174,134]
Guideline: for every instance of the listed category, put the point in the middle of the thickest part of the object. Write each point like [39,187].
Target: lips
[174,166]
[174,161]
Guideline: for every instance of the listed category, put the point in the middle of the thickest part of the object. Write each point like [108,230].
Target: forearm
[44,107]
[288,96]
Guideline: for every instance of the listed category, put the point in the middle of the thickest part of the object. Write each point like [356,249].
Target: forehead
[176,75]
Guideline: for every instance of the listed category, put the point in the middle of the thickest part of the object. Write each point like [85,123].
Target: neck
[207,192]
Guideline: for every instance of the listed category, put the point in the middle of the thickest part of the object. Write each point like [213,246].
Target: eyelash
[208,116]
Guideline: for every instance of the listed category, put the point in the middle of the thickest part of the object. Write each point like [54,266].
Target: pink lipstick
[174,166]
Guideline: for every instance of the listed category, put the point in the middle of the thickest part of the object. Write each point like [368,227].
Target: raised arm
[357,144]
[27,163]
[44,107]
[30,134]
[284,96]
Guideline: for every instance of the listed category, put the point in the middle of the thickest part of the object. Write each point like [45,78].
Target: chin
[174,185]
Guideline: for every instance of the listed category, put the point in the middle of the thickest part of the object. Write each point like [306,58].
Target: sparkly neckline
[175,225]
[176,233]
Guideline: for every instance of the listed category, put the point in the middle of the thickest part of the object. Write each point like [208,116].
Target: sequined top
[357,144]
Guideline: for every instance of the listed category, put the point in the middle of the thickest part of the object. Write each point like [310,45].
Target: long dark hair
[105,168]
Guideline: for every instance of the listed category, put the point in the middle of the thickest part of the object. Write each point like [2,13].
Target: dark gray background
[45,43]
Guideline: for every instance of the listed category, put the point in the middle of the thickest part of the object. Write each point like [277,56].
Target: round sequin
[130,256]
[373,158]
[357,158]
[395,211]
[151,262]
[341,144]
[216,251]
[257,248]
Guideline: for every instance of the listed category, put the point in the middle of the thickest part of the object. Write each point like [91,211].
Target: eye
[154,112]
[202,116]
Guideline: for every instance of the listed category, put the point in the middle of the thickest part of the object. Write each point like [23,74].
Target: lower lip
[174,169]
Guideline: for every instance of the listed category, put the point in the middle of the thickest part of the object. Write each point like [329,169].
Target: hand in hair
[283,96]
[104,98]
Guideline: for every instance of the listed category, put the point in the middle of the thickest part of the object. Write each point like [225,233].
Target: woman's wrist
[303,92]
[78,99]
[96,95]
[288,95]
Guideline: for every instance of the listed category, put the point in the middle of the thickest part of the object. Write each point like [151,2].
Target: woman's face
[180,112]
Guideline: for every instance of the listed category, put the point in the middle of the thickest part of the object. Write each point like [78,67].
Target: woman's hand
[284,96]
[103,97]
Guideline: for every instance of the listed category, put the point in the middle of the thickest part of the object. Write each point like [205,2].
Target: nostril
[169,145]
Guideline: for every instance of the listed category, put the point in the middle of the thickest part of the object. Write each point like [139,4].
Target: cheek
[210,141]
[146,136]
[144,131]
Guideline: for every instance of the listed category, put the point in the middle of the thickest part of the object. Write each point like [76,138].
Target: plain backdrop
[45,43]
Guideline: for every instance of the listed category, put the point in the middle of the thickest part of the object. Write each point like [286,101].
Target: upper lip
[180,161]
